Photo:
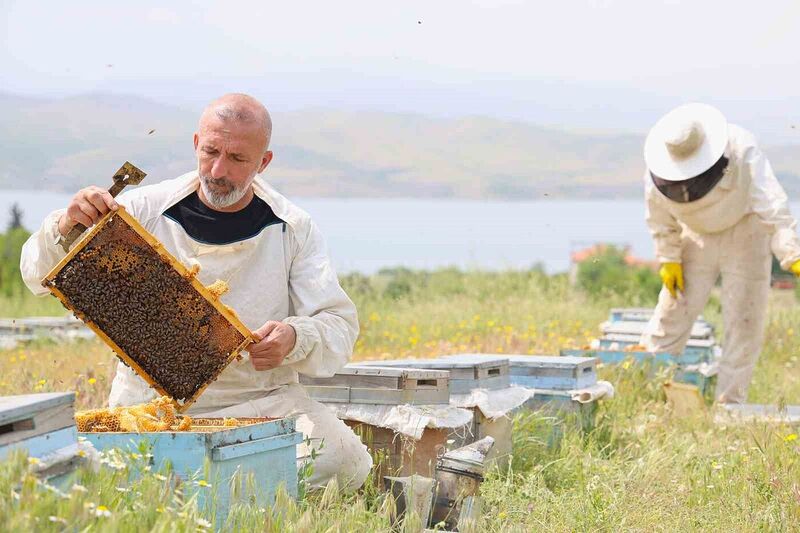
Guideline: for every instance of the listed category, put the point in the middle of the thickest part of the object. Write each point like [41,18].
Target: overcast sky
[505,58]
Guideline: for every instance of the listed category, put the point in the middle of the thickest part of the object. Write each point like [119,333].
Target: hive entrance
[158,318]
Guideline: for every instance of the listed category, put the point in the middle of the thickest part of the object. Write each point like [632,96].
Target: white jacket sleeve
[40,253]
[770,203]
[326,321]
[664,228]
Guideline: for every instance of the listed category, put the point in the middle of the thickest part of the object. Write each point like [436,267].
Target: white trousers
[742,256]
[340,453]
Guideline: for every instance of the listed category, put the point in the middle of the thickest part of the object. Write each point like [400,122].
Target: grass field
[641,468]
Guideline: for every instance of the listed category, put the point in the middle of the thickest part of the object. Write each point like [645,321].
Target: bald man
[226,219]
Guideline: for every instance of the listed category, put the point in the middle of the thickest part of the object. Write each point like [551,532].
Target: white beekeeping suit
[282,274]
[714,208]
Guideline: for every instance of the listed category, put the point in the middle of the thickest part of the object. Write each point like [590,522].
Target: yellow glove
[795,268]
[672,276]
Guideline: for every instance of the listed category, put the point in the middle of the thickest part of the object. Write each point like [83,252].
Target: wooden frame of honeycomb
[111,253]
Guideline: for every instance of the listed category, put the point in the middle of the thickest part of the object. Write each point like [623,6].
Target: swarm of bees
[158,415]
[149,310]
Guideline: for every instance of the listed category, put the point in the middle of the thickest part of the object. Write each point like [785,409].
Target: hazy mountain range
[67,143]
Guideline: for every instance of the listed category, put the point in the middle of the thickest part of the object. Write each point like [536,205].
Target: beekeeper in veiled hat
[714,208]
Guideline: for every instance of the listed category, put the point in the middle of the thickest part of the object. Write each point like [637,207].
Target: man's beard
[220,200]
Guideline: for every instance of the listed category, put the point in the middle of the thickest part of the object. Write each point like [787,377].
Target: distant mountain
[69,143]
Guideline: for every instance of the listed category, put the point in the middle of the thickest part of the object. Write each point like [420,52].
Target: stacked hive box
[621,337]
[379,402]
[44,426]
[555,379]
[475,381]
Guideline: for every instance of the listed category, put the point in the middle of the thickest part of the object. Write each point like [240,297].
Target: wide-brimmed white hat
[686,142]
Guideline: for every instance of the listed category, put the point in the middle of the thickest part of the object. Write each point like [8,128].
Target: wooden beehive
[153,312]
[467,371]
[553,372]
[251,460]
[637,314]
[700,330]
[380,386]
[396,453]
[42,425]
[696,350]
[560,409]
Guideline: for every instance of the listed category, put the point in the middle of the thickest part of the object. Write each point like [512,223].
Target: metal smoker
[459,474]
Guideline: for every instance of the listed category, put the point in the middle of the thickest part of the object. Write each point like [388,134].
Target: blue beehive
[686,365]
[234,460]
[44,426]
[553,372]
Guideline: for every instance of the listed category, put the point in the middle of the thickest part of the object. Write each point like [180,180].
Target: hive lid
[150,309]
[13,408]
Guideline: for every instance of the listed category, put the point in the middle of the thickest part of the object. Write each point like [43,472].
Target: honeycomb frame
[190,275]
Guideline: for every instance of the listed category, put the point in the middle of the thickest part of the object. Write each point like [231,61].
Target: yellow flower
[502,514]
[203,483]
[42,382]
[22,357]
[92,381]
[12,360]
[33,460]
[790,437]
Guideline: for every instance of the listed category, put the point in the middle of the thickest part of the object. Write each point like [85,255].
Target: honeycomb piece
[218,288]
[120,284]
[185,424]
[158,415]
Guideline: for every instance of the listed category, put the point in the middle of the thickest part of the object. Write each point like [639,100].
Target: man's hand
[672,276]
[87,207]
[274,341]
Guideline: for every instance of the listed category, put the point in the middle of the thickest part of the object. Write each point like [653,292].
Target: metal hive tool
[153,312]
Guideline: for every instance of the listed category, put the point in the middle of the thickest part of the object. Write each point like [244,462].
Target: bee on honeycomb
[119,283]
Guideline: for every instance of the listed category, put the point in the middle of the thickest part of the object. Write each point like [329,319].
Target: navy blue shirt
[209,226]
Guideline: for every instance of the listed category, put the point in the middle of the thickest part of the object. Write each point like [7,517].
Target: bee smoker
[459,473]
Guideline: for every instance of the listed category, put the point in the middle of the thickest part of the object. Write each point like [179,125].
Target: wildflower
[22,357]
[790,437]
[160,477]
[502,514]
[79,488]
[160,509]
[102,511]
[12,360]
[42,382]
[33,460]
[81,453]
[57,519]
[203,523]
[716,466]
[122,489]
[92,381]
[203,483]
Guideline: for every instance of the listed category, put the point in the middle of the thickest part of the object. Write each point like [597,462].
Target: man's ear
[265,161]
[196,141]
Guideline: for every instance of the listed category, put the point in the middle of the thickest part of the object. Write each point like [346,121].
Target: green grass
[640,469]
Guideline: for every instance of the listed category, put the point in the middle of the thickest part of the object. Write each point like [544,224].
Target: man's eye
[209,151]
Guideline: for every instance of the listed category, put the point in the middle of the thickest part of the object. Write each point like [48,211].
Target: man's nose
[218,169]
